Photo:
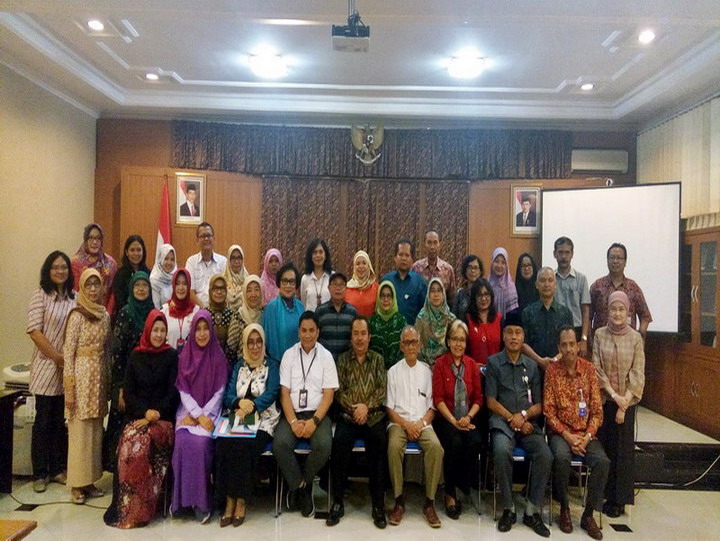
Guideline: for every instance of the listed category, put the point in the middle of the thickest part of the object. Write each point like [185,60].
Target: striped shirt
[335,326]
[48,314]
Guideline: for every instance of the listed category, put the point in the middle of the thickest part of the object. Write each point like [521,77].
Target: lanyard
[302,365]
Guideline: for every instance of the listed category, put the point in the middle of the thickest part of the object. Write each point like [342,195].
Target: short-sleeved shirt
[201,272]
[335,326]
[47,313]
[442,270]
[572,292]
[517,386]
[409,390]
[542,326]
[411,292]
[600,293]
[320,373]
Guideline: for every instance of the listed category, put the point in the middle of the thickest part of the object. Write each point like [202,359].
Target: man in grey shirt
[573,291]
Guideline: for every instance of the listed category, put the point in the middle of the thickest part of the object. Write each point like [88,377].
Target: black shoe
[452,511]
[613,510]
[506,521]
[292,499]
[307,504]
[337,511]
[378,516]
[535,522]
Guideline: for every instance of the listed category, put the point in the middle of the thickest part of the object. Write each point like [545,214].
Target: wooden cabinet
[697,395]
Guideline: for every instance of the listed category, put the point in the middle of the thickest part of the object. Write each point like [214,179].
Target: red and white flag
[163,236]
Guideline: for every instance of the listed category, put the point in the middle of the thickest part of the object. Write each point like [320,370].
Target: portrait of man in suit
[191,206]
[525,218]
[525,210]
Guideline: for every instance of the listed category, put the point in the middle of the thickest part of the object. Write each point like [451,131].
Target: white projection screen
[645,218]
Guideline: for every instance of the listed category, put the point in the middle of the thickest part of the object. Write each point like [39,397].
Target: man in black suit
[526,218]
[190,208]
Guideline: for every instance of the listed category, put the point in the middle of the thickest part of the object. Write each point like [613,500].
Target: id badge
[582,409]
[529,393]
[180,344]
[302,399]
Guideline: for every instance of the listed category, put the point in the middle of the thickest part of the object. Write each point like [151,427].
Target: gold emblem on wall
[367,142]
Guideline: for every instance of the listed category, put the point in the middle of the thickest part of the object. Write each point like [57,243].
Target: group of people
[165,352]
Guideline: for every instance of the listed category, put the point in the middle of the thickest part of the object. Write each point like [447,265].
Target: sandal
[77,496]
[93,492]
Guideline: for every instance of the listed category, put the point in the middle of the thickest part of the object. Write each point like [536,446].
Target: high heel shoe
[237,521]
[225,521]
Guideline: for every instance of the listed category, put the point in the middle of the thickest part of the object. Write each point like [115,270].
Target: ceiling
[538,54]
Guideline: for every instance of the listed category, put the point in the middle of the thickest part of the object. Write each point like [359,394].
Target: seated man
[360,398]
[410,411]
[308,380]
[574,412]
[514,398]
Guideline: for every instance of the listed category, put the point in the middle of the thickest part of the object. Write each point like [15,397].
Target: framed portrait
[525,210]
[190,198]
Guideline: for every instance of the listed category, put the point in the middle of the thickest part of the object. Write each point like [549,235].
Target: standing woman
[525,280]
[162,275]
[282,316]
[235,275]
[386,325]
[225,319]
[483,321]
[272,262]
[91,255]
[362,288]
[133,260]
[619,357]
[48,312]
[127,330]
[506,299]
[432,323]
[179,310]
[472,269]
[253,388]
[457,395]
[146,442]
[318,268]
[202,375]
[251,310]
[86,386]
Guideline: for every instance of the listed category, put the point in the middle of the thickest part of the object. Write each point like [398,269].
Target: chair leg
[278,491]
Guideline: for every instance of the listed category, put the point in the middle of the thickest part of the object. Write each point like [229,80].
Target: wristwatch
[423,421]
[316,420]
[583,338]
[524,413]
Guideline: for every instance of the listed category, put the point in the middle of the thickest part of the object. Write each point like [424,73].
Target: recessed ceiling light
[466,64]
[95,25]
[587,86]
[646,36]
[152,76]
[268,66]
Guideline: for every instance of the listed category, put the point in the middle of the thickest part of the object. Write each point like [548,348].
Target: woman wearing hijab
[272,262]
[235,275]
[146,442]
[506,299]
[386,325]
[91,255]
[47,315]
[318,268]
[86,386]
[525,280]
[162,275]
[471,270]
[281,317]
[619,357]
[362,288]
[251,310]
[133,260]
[251,390]
[127,330]
[432,323]
[225,319]
[179,310]
[202,375]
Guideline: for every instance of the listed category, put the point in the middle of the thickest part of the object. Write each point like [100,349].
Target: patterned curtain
[416,154]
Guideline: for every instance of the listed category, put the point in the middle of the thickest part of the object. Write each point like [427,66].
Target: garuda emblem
[367,142]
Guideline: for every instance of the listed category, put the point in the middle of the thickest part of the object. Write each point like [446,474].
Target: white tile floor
[657,515]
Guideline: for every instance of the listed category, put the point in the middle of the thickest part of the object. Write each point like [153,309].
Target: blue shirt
[411,293]
[280,324]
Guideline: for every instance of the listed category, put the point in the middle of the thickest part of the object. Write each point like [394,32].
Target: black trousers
[619,443]
[236,464]
[49,436]
[375,438]
[460,466]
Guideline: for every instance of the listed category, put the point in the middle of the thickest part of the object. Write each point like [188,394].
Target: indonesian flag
[163,236]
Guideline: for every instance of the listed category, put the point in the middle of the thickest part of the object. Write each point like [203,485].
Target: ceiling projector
[353,37]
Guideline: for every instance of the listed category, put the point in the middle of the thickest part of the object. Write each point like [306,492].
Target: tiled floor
[657,515]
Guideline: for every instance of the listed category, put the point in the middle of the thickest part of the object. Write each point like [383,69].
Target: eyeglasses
[484,295]
[287,281]
[255,343]
[206,236]
[526,266]
[386,295]
[457,339]
[410,342]
[92,285]
[219,288]
[236,258]
[94,238]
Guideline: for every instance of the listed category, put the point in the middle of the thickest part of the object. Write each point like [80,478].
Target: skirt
[85,438]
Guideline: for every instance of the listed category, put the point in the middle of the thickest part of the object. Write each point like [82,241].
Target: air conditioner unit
[599,160]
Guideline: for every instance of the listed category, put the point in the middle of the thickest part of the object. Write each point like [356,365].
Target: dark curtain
[416,154]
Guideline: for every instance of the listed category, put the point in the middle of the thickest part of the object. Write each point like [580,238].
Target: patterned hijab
[269,287]
[438,318]
[212,305]
[179,308]
[145,343]
[158,273]
[100,261]
[202,370]
[358,283]
[89,308]
[234,280]
[623,328]
[247,313]
[386,315]
[138,310]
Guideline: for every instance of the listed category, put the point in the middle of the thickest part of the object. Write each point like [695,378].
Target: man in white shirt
[573,291]
[308,381]
[204,265]
[410,411]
